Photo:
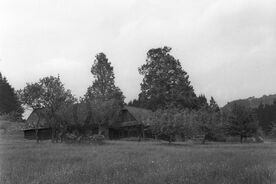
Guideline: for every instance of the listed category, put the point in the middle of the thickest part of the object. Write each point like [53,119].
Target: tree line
[165,89]
[267,117]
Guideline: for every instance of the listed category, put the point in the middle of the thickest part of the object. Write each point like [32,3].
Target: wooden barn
[37,119]
[37,122]
[42,133]
[130,123]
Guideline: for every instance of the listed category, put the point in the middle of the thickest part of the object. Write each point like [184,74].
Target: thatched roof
[33,118]
[139,114]
[126,124]
[35,111]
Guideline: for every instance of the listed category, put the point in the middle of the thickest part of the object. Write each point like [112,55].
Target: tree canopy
[9,101]
[241,122]
[202,101]
[213,105]
[50,94]
[267,116]
[103,87]
[165,82]
[105,99]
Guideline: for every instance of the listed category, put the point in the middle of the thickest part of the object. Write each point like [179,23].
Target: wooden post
[36,129]
[170,139]
[203,140]
[36,135]
[143,131]
[241,138]
[106,133]
[53,134]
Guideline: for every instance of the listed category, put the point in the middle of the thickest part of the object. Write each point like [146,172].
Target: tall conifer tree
[8,99]
[213,105]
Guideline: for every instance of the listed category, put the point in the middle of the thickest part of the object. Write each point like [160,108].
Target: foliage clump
[103,97]
[169,123]
[50,95]
[241,122]
[266,115]
[165,82]
[10,106]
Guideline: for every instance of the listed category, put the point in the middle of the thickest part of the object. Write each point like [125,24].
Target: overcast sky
[227,47]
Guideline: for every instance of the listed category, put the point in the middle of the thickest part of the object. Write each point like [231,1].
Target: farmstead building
[130,123]
[37,122]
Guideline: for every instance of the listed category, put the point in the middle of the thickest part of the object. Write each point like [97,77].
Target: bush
[253,139]
[97,138]
[130,139]
[75,137]
[70,137]
[259,139]
[12,116]
[273,132]
[233,139]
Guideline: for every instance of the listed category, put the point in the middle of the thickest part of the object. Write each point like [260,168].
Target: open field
[133,162]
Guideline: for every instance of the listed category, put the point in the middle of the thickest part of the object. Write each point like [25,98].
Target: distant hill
[251,102]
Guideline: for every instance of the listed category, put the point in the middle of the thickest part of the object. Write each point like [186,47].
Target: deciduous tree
[104,97]
[207,123]
[165,82]
[104,113]
[241,122]
[103,87]
[267,116]
[48,93]
[167,123]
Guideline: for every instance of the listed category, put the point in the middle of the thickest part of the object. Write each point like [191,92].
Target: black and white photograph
[138,92]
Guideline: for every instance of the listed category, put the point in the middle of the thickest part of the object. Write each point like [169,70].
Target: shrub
[70,137]
[273,132]
[233,139]
[97,138]
[11,116]
[131,139]
[259,139]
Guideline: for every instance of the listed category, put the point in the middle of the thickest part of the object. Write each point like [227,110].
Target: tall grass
[121,162]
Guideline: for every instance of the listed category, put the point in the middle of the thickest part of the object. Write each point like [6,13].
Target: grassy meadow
[122,162]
